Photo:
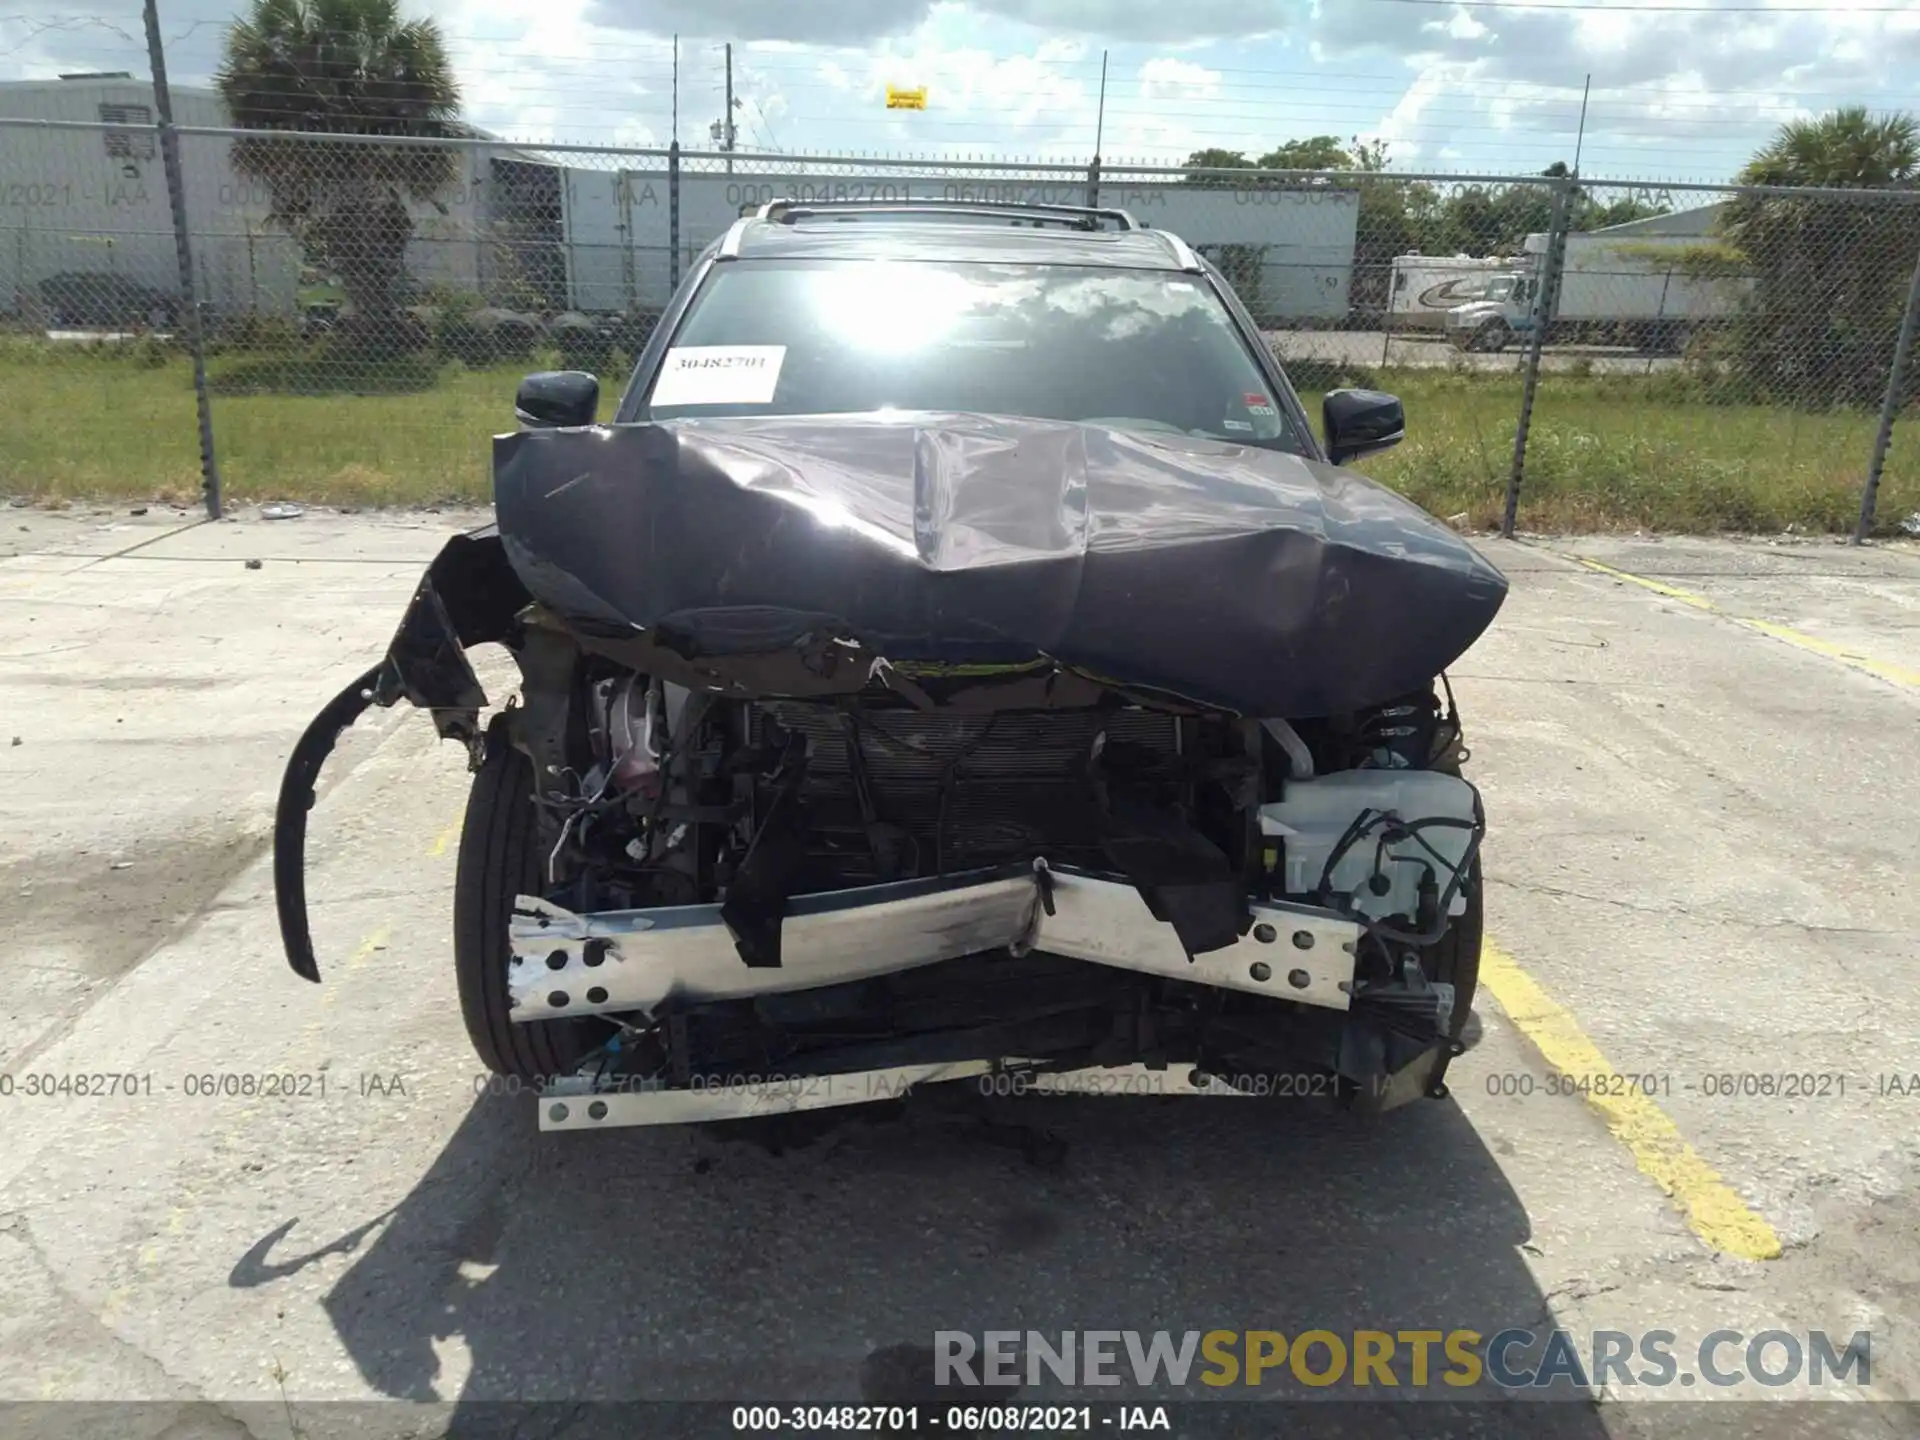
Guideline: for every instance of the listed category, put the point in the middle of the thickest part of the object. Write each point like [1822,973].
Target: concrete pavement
[1700,766]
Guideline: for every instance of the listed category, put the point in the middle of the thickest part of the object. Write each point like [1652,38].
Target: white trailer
[1289,250]
[1426,287]
[1638,286]
[1626,285]
[614,226]
[93,203]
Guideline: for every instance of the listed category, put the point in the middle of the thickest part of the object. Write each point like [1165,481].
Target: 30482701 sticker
[719,375]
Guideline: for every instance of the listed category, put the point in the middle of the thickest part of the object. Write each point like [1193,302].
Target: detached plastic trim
[290,816]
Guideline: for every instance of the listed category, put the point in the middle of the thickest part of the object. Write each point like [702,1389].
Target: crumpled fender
[469,596]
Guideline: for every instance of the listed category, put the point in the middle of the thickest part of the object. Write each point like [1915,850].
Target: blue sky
[1683,95]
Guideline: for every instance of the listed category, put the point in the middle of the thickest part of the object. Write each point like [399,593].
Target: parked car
[105,301]
[319,318]
[959,656]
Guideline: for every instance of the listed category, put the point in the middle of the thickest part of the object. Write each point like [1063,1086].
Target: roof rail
[1182,252]
[1077,217]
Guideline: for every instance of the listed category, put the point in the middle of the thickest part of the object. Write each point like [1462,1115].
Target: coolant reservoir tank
[1309,824]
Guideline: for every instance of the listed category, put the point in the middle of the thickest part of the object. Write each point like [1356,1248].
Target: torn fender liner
[469,596]
[290,818]
[1256,581]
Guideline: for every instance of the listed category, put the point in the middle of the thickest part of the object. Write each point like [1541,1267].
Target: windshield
[1500,289]
[1134,349]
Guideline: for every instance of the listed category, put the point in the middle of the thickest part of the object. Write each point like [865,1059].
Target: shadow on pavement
[677,1265]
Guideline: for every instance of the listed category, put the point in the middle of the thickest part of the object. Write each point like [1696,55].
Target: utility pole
[1580,140]
[183,254]
[1100,116]
[1099,134]
[727,133]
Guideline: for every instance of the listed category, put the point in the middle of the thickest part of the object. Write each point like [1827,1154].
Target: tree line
[1409,217]
[1829,277]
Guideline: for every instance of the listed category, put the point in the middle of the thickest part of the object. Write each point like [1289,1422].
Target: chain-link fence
[1571,352]
[1730,361]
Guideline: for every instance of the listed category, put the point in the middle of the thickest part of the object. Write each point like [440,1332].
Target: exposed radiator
[1015,783]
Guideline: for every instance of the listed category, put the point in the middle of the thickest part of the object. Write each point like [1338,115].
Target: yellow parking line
[446,837]
[1711,1207]
[1845,654]
[1672,592]
[363,952]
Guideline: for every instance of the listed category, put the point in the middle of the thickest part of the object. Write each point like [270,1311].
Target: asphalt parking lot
[1701,761]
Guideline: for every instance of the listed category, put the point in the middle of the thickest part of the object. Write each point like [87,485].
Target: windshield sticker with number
[719,375]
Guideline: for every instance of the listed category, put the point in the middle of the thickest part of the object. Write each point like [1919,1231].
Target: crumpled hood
[1234,576]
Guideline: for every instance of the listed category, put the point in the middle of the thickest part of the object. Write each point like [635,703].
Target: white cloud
[1482,89]
[855,21]
[1165,76]
[1687,94]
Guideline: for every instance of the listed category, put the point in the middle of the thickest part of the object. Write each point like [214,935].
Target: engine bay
[761,848]
[736,813]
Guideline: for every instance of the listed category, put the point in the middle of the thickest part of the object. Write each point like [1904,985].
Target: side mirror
[557,397]
[1359,422]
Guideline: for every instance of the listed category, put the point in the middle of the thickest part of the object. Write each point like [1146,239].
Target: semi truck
[1632,291]
[1426,287]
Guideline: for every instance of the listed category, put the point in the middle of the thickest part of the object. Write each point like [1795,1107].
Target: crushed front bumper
[1389,1041]
[566,965]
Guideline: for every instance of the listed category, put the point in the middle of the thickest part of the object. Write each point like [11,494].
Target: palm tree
[344,67]
[1829,276]
[1849,147]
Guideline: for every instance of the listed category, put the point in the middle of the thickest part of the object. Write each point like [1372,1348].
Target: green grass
[401,432]
[1620,453]
[1606,452]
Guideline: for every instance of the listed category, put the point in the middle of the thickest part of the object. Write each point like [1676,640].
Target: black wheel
[1492,337]
[1455,960]
[499,859]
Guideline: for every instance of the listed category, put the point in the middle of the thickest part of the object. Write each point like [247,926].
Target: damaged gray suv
[958,658]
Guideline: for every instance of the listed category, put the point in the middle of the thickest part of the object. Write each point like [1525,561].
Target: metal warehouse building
[92,203]
[522,227]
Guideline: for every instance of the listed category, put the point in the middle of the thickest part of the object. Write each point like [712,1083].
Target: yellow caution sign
[898,99]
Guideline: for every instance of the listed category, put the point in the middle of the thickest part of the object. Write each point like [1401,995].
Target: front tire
[1455,959]
[1492,337]
[499,859]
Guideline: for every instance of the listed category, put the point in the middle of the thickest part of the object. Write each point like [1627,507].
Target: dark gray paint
[1252,580]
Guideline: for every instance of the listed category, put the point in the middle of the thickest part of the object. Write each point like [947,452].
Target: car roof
[956,236]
